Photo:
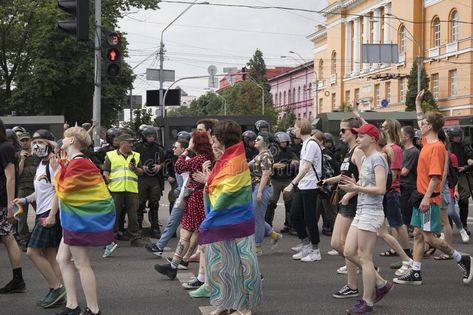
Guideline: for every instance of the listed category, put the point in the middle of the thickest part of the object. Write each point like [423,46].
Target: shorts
[6,228]
[428,221]
[406,205]
[348,211]
[368,220]
[393,209]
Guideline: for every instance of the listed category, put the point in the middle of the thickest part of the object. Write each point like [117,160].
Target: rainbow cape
[228,199]
[87,211]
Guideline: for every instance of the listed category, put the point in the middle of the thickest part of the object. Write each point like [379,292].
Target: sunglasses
[343,130]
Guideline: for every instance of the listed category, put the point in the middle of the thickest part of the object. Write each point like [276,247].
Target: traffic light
[113,54]
[80,25]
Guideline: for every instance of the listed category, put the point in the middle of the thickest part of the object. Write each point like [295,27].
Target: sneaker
[380,293]
[275,240]
[41,301]
[297,248]
[406,265]
[166,270]
[314,255]
[410,277]
[332,252]
[202,292]
[192,285]
[89,312]
[305,250]
[154,249]
[53,297]
[345,293]
[14,286]
[360,308]
[464,235]
[183,265]
[70,311]
[466,267]
[109,249]
[343,270]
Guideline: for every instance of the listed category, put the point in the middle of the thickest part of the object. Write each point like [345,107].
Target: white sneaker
[332,252]
[406,265]
[305,250]
[442,236]
[342,270]
[314,255]
[464,235]
[297,248]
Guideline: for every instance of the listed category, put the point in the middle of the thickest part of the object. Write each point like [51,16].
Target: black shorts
[348,211]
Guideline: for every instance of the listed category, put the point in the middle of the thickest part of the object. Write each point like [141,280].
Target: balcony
[452,47]
[333,79]
[434,52]
[320,84]
[402,57]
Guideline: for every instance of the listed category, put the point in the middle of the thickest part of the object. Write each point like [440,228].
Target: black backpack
[452,177]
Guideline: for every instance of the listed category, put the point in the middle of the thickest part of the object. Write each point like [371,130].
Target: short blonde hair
[305,126]
[80,134]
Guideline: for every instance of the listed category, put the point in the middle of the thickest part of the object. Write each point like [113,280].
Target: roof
[309,64]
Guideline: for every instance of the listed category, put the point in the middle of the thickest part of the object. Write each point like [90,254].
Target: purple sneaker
[360,308]
[381,292]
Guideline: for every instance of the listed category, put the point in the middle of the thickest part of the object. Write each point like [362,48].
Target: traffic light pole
[97,72]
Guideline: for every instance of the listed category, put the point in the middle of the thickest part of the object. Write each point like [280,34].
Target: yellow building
[440,31]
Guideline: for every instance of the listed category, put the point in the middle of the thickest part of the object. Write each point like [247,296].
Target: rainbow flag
[18,211]
[87,210]
[228,199]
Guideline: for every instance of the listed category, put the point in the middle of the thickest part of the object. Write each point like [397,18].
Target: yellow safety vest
[121,178]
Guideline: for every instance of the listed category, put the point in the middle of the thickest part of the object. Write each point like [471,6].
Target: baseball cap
[24,135]
[125,137]
[367,129]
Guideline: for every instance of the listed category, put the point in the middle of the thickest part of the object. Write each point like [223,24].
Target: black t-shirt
[410,158]
[7,156]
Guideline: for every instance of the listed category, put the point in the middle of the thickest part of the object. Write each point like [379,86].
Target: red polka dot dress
[194,214]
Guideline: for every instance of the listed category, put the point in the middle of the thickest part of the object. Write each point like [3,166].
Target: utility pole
[98,72]
[421,50]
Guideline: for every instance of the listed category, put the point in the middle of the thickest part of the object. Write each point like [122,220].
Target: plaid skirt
[42,237]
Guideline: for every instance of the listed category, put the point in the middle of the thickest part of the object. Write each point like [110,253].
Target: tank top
[348,168]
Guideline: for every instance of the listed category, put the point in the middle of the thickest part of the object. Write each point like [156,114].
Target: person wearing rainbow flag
[233,273]
[87,213]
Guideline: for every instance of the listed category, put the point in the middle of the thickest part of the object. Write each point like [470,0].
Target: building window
[334,63]
[321,105]
[294,95]
[289,99]
[402,90]
[356,96]
[280,99]
[299,94]
[305,115]
[321,69]
[276,98]
[402,39]
[284,103]
[436,32]
[310,91]
[310,115]
[334,100]
[304,93]
[435,85]
[453,82]
[388,91]
[454,25]
[299,116]
[347,97]
[377,101]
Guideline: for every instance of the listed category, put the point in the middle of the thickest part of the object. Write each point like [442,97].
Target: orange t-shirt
[431,163]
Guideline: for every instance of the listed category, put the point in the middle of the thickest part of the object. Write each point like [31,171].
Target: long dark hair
[3,134]
[202,145]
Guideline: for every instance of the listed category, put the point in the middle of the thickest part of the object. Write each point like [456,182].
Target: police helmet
[248,136]
[291,132]
[454,132]
[149,131]
[18,129]
[261,124]
[184,135]
[111,134]
[282,136]
[329,137]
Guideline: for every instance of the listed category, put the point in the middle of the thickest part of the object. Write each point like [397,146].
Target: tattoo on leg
[180,250]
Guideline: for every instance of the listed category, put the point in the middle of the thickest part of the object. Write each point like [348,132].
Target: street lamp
[161,55]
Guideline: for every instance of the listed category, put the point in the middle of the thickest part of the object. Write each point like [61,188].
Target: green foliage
[287,121]
[140,117]
[207,104]
[44,71]
[412,90]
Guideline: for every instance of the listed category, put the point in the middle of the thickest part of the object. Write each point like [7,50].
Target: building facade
[293,90]
[438,31]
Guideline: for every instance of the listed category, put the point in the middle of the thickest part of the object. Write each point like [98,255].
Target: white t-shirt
[310,152]
[44,189]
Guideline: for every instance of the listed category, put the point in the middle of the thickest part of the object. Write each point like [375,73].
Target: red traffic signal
[113,54]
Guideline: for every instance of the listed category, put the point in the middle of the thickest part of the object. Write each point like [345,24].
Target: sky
[221,36]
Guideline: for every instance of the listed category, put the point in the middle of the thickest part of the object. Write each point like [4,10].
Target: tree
[209,104]
[428,104]
[46,71]
[140,117]
[257,67]
[287,121]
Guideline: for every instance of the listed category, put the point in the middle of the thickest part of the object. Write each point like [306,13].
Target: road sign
[173,97]
[384,103]
[230,70]
[153,75]
[212,70]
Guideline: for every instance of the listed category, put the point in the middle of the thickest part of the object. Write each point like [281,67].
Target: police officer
[464,154]
[249,138]
[121,170]
[296,143]
[151,182]
[262,125]
[113,144]
[285,163]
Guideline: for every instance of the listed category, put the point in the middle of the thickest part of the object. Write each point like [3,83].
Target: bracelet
[293,184]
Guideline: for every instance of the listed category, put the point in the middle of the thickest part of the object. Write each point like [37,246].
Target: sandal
[443,257]
[388,253]
[429,252]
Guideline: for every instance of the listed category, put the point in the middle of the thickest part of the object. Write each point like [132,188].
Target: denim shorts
[368,220]
[393,209]
[348,211]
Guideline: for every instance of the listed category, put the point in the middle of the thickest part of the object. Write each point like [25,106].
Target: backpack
[327,171]
[452,177]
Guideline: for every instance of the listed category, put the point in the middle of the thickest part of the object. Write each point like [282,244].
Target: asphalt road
[128,284]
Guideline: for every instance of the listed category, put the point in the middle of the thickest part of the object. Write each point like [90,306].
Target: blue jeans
[448,201]
[262,228]
[171,227]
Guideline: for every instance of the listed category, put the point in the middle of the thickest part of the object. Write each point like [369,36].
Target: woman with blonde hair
[87,216]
